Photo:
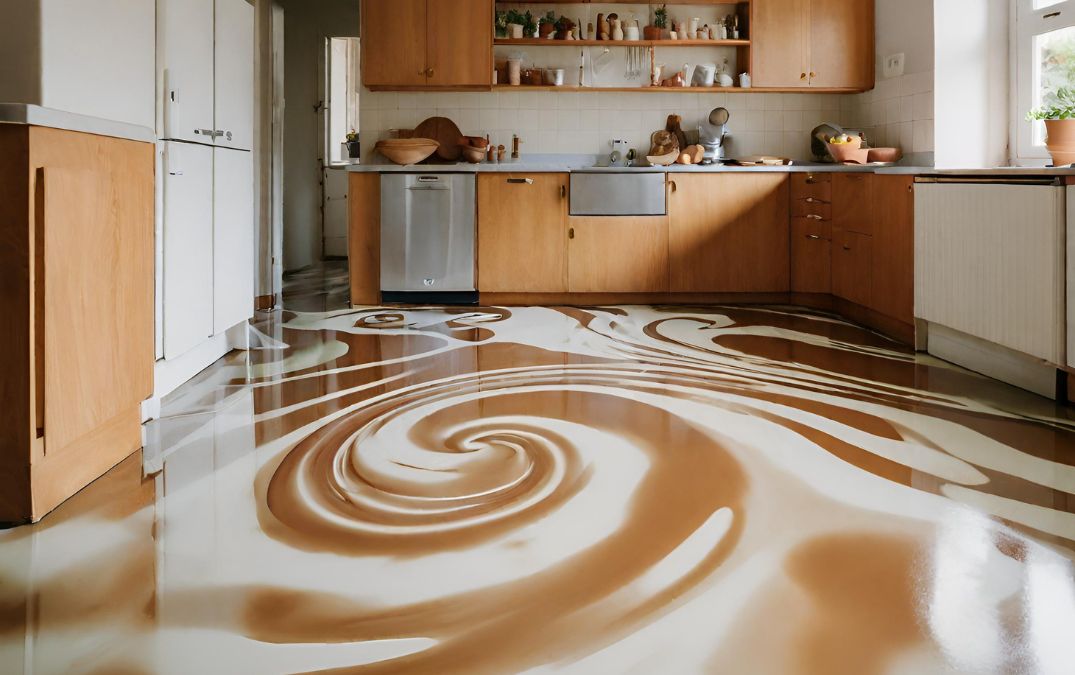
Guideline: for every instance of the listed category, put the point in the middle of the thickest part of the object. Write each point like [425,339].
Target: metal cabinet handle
[814,216]
[846,247]
[812,75]
[521,181]
[813,236]
[803,76]
[563,192]
[810,180]
[429,73]
[571,233]
[673,185]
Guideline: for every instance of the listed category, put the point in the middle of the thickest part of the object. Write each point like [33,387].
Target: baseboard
[170,374]
[1000,363]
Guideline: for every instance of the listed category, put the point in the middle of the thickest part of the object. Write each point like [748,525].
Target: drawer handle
[563,192]
[571,233]
[846,247]
[810,180]
[521,181]
[672,183]
[814,216]
[814,236]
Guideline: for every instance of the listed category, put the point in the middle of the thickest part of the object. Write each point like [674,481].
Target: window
[341,95]
[1045,61]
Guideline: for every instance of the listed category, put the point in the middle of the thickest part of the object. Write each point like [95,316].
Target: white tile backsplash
[898,112]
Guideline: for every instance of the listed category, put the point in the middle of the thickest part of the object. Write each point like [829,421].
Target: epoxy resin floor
[602,490]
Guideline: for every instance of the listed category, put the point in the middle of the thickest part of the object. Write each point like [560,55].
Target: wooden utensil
[445,132]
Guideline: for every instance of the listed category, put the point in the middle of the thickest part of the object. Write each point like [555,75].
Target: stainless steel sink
[623,192]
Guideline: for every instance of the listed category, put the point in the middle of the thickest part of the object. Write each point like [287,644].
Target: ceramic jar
[617,29]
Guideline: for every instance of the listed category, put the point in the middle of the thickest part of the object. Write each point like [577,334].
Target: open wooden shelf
[679,90]
[540,42]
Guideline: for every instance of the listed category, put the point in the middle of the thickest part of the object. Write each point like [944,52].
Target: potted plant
[564,26]
[530,25]
[516,22]
[354,148]
[1058,113]
[660,23]
[548,25]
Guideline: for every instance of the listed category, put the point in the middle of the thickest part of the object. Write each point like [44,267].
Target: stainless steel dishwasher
[427,238]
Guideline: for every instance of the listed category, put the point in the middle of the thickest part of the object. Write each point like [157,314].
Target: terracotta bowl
[664,160]
[407,150]
[849,153]
[472,154]
[886,155]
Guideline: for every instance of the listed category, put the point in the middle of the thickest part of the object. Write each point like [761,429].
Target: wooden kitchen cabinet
[852,266]
[728,233]
[417,44]
[625,254]
[811,256]
[364,237]
[522,233]
[813,44]
[76,219]
[893,247]
[852,198]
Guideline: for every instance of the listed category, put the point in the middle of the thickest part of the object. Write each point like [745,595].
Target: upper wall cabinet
[417,44]
[814,44]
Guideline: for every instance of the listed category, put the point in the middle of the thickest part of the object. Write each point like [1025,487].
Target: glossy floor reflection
[601,490]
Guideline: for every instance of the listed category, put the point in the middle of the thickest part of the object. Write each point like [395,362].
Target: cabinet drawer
[811,256]
[811,208]
[811,186]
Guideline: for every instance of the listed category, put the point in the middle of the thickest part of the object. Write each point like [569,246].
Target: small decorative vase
[515,30]
[681,31]
[692,31]
[651,33]
[617,30]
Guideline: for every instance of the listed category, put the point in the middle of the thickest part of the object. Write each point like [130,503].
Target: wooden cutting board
[445,132]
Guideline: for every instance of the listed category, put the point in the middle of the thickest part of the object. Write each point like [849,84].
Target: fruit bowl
[885,155]
[849,152]
[407,150]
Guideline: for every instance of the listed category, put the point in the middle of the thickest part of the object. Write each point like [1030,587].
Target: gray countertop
[35,115]
[585,163]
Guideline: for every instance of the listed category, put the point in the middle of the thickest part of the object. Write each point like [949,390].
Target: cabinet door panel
[188,245]
[233,238]
[729,233]
[459,43]
[893,269]
[841,40]
[234,82]
[852,202]
[779,48]
[394,42]
[852,261]
[522,233]
[811,256]
[94,290]
[618,254]
[185,28]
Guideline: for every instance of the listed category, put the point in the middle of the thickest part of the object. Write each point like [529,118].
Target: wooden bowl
[849,153]
[664,160]
[472,154]
[474,142]
[407,150]
[886,155]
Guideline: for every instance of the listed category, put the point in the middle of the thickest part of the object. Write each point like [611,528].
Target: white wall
[306,25]
[972,83]
[92,58]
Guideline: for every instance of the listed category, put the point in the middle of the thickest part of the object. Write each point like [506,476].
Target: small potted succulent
[1058,113]
[548,25]
[354,148]
[660,23]
[516,23]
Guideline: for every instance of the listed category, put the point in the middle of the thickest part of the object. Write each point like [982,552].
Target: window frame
[1027,24]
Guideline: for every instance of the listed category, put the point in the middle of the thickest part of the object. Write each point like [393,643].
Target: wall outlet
[894,65]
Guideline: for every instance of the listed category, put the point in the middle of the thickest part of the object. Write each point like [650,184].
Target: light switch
[894,65]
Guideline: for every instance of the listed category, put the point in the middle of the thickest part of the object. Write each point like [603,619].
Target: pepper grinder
[515,142]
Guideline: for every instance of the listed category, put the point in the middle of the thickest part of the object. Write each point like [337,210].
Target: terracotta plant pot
[651,33]
[546,30]
[1061,141]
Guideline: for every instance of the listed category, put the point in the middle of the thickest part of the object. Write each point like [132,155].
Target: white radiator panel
[989,262]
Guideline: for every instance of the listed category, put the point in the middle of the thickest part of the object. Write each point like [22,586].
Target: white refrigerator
[206,238]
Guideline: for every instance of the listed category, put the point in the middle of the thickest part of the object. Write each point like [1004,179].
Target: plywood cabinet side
[729,233]
[618,254]
[364,237]
[893,247]
[522,233]
[394,43]
[459,43]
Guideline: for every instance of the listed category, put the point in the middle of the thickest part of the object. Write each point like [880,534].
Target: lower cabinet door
[188,244]
[811,256]
[522,233]
[618,254]
[852,262]
[233,238]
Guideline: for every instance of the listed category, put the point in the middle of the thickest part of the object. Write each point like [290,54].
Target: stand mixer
[712,134]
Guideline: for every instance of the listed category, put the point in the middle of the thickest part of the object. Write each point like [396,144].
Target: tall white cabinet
[206,122]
